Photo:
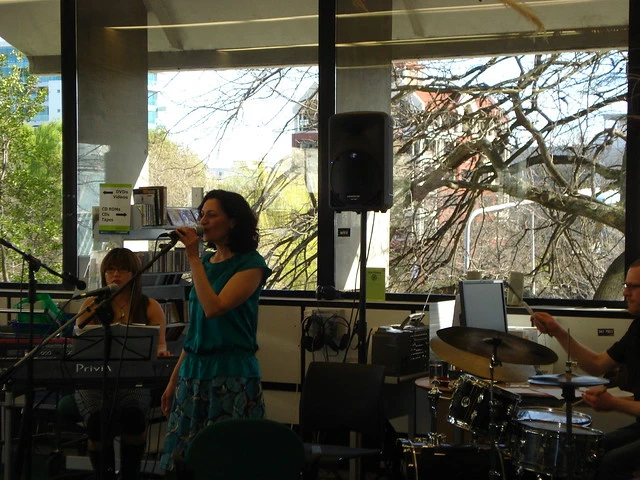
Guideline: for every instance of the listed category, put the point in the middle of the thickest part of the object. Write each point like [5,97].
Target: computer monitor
[483,305]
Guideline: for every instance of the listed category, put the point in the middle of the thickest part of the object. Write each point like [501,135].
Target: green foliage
[174,165]
[287,219]
[20,100]
[32,201]
[30,178]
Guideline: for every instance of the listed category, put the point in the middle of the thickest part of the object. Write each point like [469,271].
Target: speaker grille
[360,161]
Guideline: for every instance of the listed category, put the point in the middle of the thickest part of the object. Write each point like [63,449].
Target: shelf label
[115,208]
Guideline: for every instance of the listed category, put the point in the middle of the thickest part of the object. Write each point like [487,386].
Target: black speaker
[360,161]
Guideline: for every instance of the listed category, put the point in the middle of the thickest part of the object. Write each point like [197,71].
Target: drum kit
[521,443]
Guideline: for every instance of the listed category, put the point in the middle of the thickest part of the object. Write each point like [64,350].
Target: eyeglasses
[112,270]
[631,286]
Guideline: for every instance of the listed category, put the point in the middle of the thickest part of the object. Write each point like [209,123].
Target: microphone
[73,280]
[98,292]
[174,236]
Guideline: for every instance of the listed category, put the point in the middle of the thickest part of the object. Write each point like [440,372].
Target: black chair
[246,449]
[340,398]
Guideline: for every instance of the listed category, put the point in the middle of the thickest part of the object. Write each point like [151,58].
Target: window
[530,175]
[505,158]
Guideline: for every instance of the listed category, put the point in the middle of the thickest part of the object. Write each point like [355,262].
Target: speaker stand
[362,306]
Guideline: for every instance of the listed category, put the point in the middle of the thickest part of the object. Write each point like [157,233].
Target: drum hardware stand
[569,395]
[434,395]
[493,434]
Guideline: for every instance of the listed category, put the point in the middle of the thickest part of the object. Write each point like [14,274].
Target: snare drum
[540,447]
[469,408]
[553,415]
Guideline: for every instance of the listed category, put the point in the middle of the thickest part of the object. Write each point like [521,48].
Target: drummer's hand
[599,399]
[545,323]
[538,320]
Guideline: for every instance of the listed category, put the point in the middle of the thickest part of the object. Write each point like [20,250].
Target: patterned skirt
[198,403]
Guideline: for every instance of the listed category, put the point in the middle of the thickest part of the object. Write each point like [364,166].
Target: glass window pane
[509,140]
[509,130]
[30,140]
[510,164]
[213,109]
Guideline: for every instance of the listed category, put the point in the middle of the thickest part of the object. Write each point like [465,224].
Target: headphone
[319,331]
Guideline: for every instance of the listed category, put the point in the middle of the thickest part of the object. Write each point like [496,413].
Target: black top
[626,352]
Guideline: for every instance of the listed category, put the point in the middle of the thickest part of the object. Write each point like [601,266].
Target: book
[173,217]
[155,196]
[187,218]
[133,341]
[180,217]
[116,328]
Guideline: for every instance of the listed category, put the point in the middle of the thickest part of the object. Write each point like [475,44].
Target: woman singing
[217,375]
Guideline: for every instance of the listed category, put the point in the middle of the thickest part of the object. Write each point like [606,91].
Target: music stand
[128,342]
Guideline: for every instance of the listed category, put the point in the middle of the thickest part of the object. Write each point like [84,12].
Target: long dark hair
[244,236]
[125,259]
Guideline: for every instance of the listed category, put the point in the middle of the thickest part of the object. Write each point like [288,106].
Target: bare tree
[540,134]
[547,131]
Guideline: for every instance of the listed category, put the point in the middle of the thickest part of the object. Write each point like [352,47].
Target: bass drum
[469,407]
[540,447]
[421,461]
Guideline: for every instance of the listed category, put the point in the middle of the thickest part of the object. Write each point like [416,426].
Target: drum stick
[522,302]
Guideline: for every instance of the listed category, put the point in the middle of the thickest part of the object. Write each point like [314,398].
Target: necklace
[123,310]
[122,307]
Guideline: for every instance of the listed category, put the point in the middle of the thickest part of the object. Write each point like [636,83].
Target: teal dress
[219,377]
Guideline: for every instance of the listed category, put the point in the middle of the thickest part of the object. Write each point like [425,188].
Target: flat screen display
[483,305]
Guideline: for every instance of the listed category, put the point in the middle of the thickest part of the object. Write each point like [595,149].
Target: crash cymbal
[478,365]
[560,379]
[510,349]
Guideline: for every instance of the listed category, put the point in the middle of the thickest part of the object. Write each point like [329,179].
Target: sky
[182,96]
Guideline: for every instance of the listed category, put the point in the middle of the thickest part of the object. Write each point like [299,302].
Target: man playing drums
[622,446]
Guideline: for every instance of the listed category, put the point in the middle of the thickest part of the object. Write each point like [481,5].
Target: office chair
[246,449]
[338,398]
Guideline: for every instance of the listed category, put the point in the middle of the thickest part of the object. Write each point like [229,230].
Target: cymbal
[568,379]
[478,365]
[510,349]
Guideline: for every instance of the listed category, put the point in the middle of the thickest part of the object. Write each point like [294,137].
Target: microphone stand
[24,443]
